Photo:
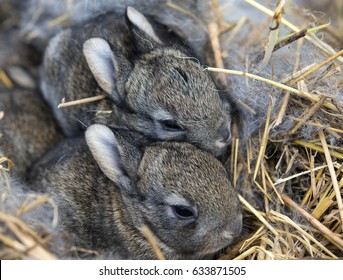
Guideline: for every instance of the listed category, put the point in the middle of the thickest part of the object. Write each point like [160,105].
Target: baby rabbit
[27,128]
[180,192]
[154,84]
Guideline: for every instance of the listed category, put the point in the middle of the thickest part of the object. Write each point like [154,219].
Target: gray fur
[107,215]
[37,16]
[27,128]
[157,89]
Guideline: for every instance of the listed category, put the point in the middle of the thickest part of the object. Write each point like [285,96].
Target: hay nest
[25,230]
[289,172]
[286,75]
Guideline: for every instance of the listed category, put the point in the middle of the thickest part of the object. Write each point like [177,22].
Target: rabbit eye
[184,212]
[170,125]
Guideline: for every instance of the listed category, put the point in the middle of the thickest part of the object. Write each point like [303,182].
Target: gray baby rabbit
[180,192]
[27,128]
[154,84]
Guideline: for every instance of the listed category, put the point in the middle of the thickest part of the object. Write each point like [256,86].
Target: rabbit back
[27,128]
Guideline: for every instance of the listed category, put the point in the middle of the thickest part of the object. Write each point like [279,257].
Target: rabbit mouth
[212,250]
[221,144]
[227,235]
[220,147]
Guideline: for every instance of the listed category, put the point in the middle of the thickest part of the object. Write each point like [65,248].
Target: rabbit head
[161,90]
[180,192]
[190,200]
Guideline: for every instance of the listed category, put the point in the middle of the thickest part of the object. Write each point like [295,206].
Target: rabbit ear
[143,32]
[108,154]
[110,68]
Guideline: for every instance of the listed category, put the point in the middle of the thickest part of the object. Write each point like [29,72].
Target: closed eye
[184,212]
[170,125]
[182,74]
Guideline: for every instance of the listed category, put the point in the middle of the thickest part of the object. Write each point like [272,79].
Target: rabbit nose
[235,228]
[237,225]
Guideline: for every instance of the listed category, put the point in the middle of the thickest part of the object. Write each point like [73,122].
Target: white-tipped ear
[101,62]
[141,22]
[105,150]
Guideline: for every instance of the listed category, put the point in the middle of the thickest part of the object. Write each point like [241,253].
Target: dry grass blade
[271,184]
[182,10]
[313,39]
[214,33]
[6,181]
[287,96]
[235,168]
[252,250]
[14,220]
[236,29]
[249,241]
[263,142]
[297,74]
[26,207]
[332,237]
[265,193]
[273,83]
[282,218]
[261,254]
[5,79]
[152,241]
[322,206]
[257,214]
[286,40]
[31,242]
[264,184]
[316,148]
[319,125]
[320,65]
[59,20]
[290,40]
[307,115]
[273,35]
[333,176]
[33,249]
[219,18]
[282,180]
[6,164]
[12,243]
[81,101]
